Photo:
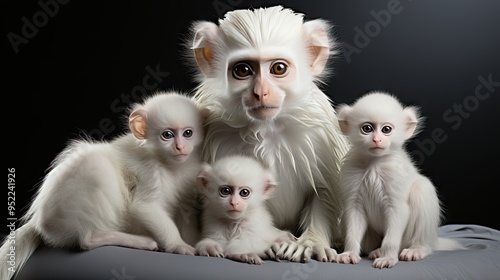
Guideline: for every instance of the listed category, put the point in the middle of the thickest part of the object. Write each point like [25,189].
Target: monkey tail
[16,249]
[449,244]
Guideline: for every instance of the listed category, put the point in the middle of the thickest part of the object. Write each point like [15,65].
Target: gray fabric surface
[481,260]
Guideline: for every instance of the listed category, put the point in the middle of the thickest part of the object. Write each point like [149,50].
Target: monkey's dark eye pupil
[167,135]
[386,129]
[188,133]
[279,68]
[244,193]
[225,191]
[242,71]
[367,128]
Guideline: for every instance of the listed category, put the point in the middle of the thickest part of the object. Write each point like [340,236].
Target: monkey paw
[348,257]
[290,251]
[413,254]
[145,243]
[246,258]
[184,249]
[384,262]
[209,248]
[375,254]
[324,254]
[151,245]
[302,251]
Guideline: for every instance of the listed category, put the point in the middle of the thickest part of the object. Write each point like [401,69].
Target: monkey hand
[183,249]
[348,257]
[382,261]
[209,248]
[302,251]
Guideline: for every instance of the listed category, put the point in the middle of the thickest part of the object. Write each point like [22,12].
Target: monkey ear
[137,123]
[271,185]
[412,121]
[205,34]
[343,112]
[202,180]
[319,44]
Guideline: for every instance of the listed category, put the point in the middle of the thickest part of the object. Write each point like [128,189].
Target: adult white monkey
[259,75]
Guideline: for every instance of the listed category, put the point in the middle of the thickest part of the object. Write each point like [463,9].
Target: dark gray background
[86,61]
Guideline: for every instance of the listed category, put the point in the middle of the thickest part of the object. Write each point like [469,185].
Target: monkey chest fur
[383,188]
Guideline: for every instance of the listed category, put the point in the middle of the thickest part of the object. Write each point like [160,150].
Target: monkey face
[262,84]
[377,137]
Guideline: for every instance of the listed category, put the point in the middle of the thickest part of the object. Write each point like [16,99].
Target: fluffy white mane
[261,27]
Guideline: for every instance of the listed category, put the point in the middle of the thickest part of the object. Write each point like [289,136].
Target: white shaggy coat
[123,192]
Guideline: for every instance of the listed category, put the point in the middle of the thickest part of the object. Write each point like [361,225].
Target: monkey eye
[366,128]
[225,191]
[242,71]
[188,133]
[279,68]
[167,135]
[386,129]
[245,193]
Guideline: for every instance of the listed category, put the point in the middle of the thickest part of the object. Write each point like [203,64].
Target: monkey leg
[421,233]
[118,238]
[356,227]
[83,195]
[387,255]
[163,228]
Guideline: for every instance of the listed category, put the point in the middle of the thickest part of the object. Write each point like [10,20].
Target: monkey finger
[331,255]
[298,254]
[282,250]
[276,247]
[324,254]
[215,251]
[286,252]
[307,255]
[269,254]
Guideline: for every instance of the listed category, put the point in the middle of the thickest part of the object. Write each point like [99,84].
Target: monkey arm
[320,221]
[163,228]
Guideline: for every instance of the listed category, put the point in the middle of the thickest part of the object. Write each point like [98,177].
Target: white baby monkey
[123,192]
[392,210]
[235,221]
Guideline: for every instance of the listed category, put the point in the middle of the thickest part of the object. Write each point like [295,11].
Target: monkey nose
[261,89]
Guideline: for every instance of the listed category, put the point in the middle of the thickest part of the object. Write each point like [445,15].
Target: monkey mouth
[234,213]
[262,112]
[377,151]
[180,157]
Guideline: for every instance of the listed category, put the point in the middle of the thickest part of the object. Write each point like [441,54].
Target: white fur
[123,192]
[301,144]
[248,236]
[392,210]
